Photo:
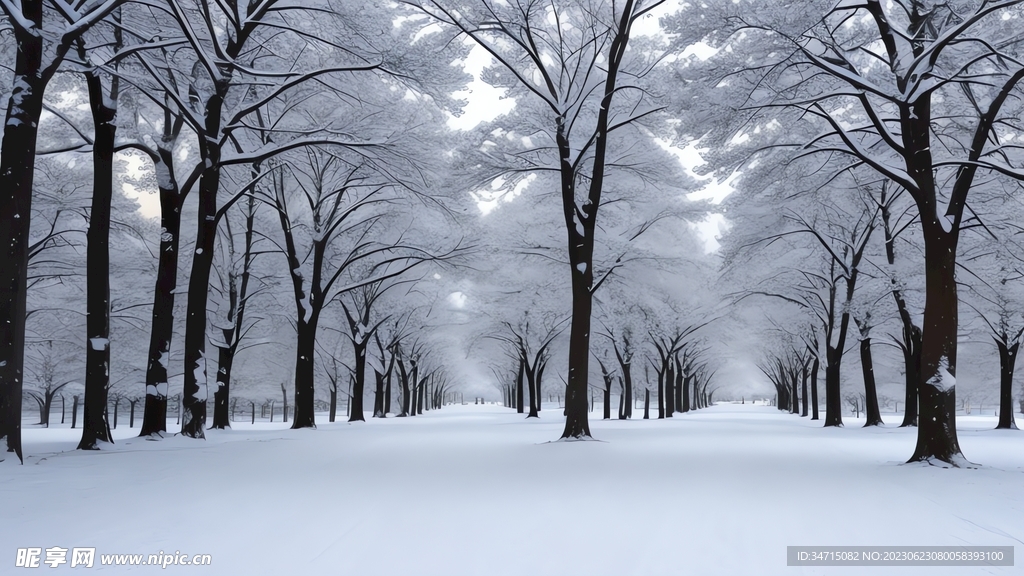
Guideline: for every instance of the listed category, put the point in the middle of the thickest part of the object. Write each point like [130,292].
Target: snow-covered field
[479,490]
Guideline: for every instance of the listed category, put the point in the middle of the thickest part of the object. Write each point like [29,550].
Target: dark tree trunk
[1007,361]
[622,400]
[74,411]
[670,384]
[794,381]
[387,390]
[154,414]
[874,417]
[607,412]
[540,378]
[833,402]
[815,366]
[661,395]
[803,390]
[581,249]
[647,403]
[334,401]
[403,380]
[378,394]
[284,404]
[519,388]
[531,383]
[95,427]
[936,430]
[420,389]
[912,368]
[225,360]
[17,174]
[686,392]
[238,293]
[679,387]
[195,393]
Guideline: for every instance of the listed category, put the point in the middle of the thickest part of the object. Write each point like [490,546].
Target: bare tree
[587,87]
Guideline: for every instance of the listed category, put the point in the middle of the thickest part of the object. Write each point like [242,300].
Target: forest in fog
[328,210]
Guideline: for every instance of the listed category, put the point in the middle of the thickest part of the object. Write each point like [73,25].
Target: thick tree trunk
[378,394]
[647,403]
[936,430]
[531,383]
[334,401]
[221,396]
[519,388]
[794,381]
[622,400]
[576,414]
[154,415]
[803,390]
[420,389]
[627,384]
[537,385]
[833,401]
[679,387]
[815,366]
[607,412]
[194,392]
[661,395]
[686,392]
[95,427]
[1007,361]
[403,380]
[356,400]
[874,417]
[670,387]
[17,174]
[912,370]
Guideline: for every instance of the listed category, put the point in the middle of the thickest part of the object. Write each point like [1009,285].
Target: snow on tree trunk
[154,416]
[936,436]
[194,391]
[17,173]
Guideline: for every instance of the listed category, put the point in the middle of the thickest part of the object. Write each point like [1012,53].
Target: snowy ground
[478,490]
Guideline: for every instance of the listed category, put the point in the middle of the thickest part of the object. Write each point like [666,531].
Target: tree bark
[803,390]
[1007,361]
[670,387]
[833,402]
[794,381]
[936,430]
[154,415]
[334,401]
[356,400]
[194,391]
[531,383]
[871,412]
[17,175]
[225,361]
[519,387]
[815,366]
[95,427]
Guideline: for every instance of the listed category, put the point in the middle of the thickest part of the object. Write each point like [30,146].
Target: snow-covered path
[478,490]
